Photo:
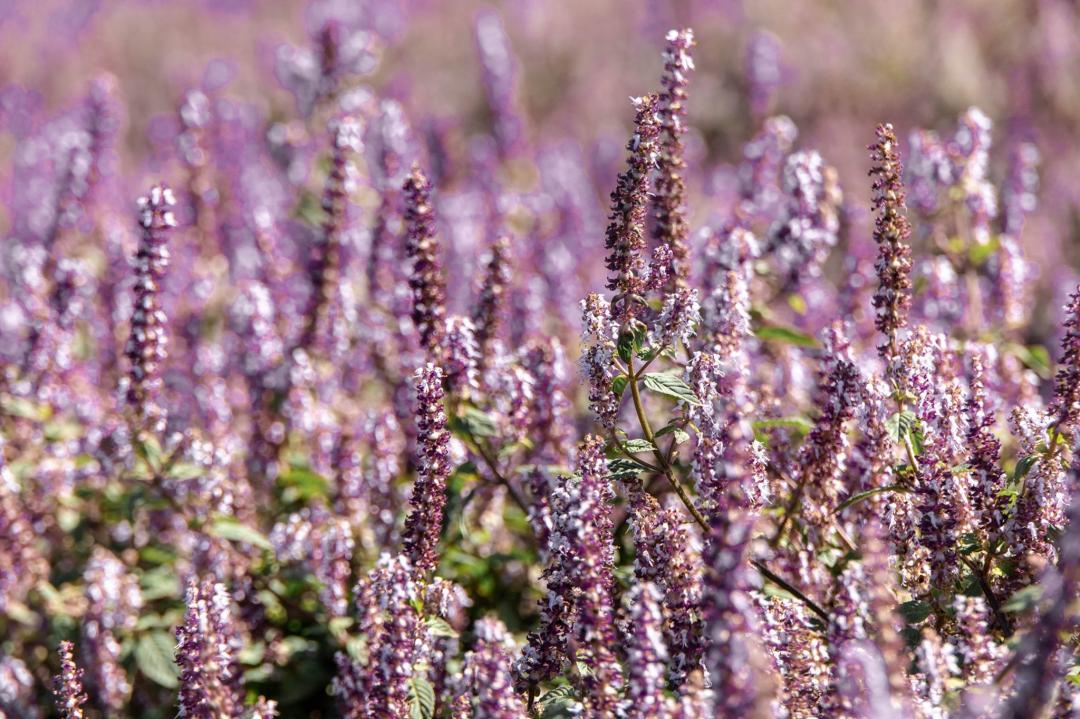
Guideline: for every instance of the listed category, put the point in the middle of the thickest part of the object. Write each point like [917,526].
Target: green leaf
[305,483]
[154,658]
[626,345]
[900,425]
[914,611]
[785,335]
[638,445]
[801,424]
[477,423]
[1023,600]
[559,703]
[980,252]
[618,385]
[235,531]
[679,434]
[623,469]
[185,470]
[439,627]
[421,698]
[1023,466]
[1035,357]
[670,385]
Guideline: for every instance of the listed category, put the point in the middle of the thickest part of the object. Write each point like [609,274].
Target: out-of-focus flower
[324,264]
[500,70]
[801,238]
[646,657]
[763,72]
[731,622]
[490,302]
[113,603]
[486,683]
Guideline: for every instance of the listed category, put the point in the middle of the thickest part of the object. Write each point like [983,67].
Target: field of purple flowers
[382,360]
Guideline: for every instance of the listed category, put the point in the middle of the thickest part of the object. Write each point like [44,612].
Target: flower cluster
[560,425]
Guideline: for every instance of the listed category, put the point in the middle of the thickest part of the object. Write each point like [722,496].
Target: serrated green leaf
[235,531]
[421,698]
[638,445]
[154,658]
[669,385]
[900,425]
[439,627]
[559,703]
[785,335]
[623,469]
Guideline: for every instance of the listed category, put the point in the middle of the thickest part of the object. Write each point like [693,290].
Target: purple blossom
[646,657]
[667,559]
[424,524]
[146,348]
[730,616]
[891,231]
[624,238]
[422,249]
[669,199]
[70,697]
[486,675]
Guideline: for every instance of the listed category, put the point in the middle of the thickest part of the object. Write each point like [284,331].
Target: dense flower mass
[451,388]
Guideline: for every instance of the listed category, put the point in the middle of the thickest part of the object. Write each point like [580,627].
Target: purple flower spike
[146,347]
[891,231]
[324,265]
[206,654]
[669,200]
[730,616]
[625,238]
[763,72]
[68,689]
[486,675]
[646,657]
[500,81]
[424,524]
[490,303]
[426,277]
[113,602]
[665,558]
[579,578]
[1066,403]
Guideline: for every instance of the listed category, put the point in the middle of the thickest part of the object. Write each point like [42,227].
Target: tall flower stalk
[147,345]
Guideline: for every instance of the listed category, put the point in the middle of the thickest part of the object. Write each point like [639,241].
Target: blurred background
[839,67]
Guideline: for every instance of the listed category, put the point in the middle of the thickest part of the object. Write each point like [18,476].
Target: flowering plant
[267,448]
